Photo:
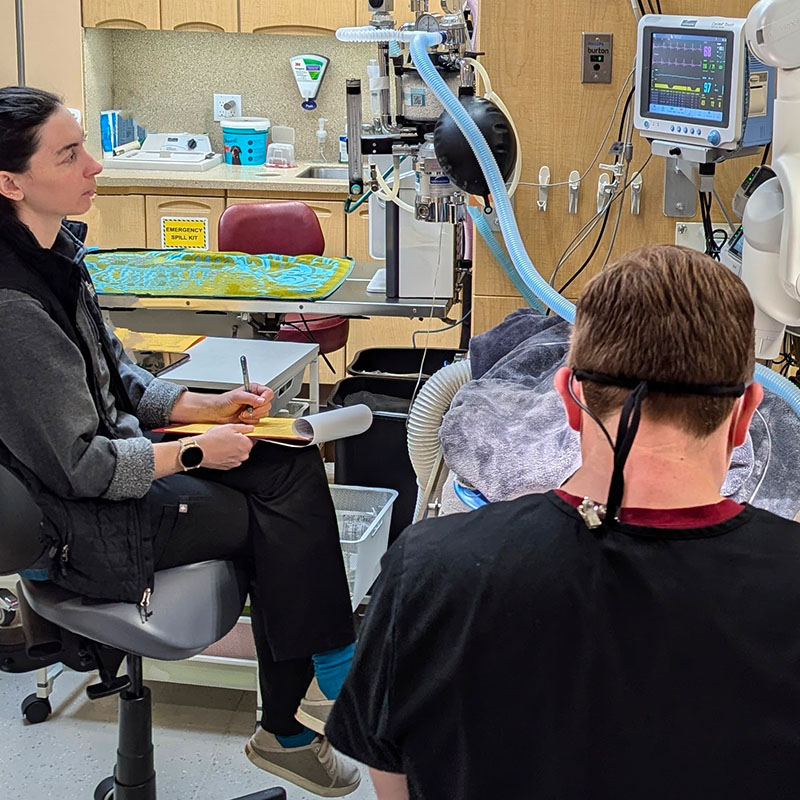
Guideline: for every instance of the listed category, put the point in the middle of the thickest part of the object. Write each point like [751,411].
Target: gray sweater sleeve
[48,418]
[152,398]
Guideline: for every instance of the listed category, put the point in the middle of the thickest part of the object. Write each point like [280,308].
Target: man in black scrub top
[633,635]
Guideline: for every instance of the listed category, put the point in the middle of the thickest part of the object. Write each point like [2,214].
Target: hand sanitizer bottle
[322,138]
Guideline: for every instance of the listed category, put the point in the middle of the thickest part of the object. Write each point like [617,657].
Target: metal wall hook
[574,191]
[544,188]
[636,194]
[603,192]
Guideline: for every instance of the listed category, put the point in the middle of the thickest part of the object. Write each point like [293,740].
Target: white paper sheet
[332,425]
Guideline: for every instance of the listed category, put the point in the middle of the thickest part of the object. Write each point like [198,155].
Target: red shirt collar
[673,518]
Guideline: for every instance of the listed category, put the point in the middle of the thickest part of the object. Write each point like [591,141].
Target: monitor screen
[737,242]
[689,76]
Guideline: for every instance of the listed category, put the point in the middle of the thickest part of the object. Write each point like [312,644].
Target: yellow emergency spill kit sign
[180,233]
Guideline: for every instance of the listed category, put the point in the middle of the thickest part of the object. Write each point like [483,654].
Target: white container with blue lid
[244,140]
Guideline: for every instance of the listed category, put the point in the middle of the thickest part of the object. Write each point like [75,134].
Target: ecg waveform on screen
[688,73]
[676,63]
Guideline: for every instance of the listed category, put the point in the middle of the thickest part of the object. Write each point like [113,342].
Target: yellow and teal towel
[199,273]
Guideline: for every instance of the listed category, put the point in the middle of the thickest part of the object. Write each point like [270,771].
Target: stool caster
[9,605]
[36,709]
[105,789]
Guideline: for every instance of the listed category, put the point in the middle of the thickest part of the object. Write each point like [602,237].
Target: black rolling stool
[192,607]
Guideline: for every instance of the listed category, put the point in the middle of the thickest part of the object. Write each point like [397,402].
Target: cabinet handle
[177,206]
[209,27]
[131,24]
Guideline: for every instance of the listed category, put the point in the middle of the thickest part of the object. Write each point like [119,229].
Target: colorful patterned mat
[199,273]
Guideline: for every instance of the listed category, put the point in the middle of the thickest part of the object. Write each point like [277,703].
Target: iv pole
[20,45]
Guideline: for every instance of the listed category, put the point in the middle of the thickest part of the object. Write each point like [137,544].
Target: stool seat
[191,607]
[329,332]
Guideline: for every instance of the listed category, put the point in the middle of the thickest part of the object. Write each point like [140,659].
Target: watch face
[191,456]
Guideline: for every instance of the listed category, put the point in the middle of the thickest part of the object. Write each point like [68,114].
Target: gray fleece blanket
[506,432]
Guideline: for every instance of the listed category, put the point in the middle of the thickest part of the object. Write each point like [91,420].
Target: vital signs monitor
[697,84]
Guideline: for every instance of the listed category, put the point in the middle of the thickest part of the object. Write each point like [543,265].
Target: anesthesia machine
[704,93]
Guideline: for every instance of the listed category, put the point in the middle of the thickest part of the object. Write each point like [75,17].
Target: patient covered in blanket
[506,433]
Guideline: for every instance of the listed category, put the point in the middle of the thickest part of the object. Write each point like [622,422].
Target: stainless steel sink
[324,173]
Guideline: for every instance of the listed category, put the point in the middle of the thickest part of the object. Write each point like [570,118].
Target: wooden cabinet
[116,221]
[8,44]
[200,15]
[161,208]
[399,332]
[402,12]
[490,311]
[296,16]
[121,14]
[329,212]
[248,16]
[53,44]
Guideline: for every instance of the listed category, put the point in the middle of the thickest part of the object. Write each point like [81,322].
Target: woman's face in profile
[60,180]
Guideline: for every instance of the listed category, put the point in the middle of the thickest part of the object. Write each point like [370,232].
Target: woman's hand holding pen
[239,405]
[233,406]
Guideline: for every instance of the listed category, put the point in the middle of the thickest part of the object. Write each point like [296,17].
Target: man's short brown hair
[665,313]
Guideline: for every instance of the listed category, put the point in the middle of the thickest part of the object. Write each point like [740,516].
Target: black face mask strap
[626,432]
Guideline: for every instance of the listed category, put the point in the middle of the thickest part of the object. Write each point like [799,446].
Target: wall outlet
[227,105]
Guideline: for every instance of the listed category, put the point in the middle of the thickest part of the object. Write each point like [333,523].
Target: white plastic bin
[364,515]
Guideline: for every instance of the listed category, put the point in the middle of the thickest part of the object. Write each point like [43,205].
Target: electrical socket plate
[221,113]
[691,234]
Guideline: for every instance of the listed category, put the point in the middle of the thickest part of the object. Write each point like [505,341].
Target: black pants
[273,515]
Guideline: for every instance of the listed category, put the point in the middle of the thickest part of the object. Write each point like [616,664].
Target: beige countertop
[226,177]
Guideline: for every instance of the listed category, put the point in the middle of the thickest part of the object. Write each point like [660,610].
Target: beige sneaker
[314,709]
[316,767]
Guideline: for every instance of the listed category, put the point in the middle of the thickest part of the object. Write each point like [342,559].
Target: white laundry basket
[364,515]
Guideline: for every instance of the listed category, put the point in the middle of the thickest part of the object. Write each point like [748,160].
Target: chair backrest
[20,525]
[287,228]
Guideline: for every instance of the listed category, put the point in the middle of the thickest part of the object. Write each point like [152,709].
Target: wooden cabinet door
[402,12]
[121,14]
[331,219]
[116,220]
[490,311]
[8,44]
[200,15]
[164,207]
[399,332]
[296,16]
[54,48]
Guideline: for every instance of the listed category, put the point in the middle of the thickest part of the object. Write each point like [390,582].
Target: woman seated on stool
[118,507]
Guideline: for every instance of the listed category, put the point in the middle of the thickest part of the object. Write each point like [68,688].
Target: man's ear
[561,380]
[750,401]
[9,188]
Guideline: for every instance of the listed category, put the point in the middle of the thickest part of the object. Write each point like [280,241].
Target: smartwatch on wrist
[191,455]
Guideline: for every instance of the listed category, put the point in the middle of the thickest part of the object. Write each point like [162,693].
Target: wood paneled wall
[533,56]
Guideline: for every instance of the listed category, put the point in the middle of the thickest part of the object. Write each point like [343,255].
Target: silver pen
[245,378]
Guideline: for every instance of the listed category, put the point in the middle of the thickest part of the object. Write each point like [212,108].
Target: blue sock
[298,740]
[331,669]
